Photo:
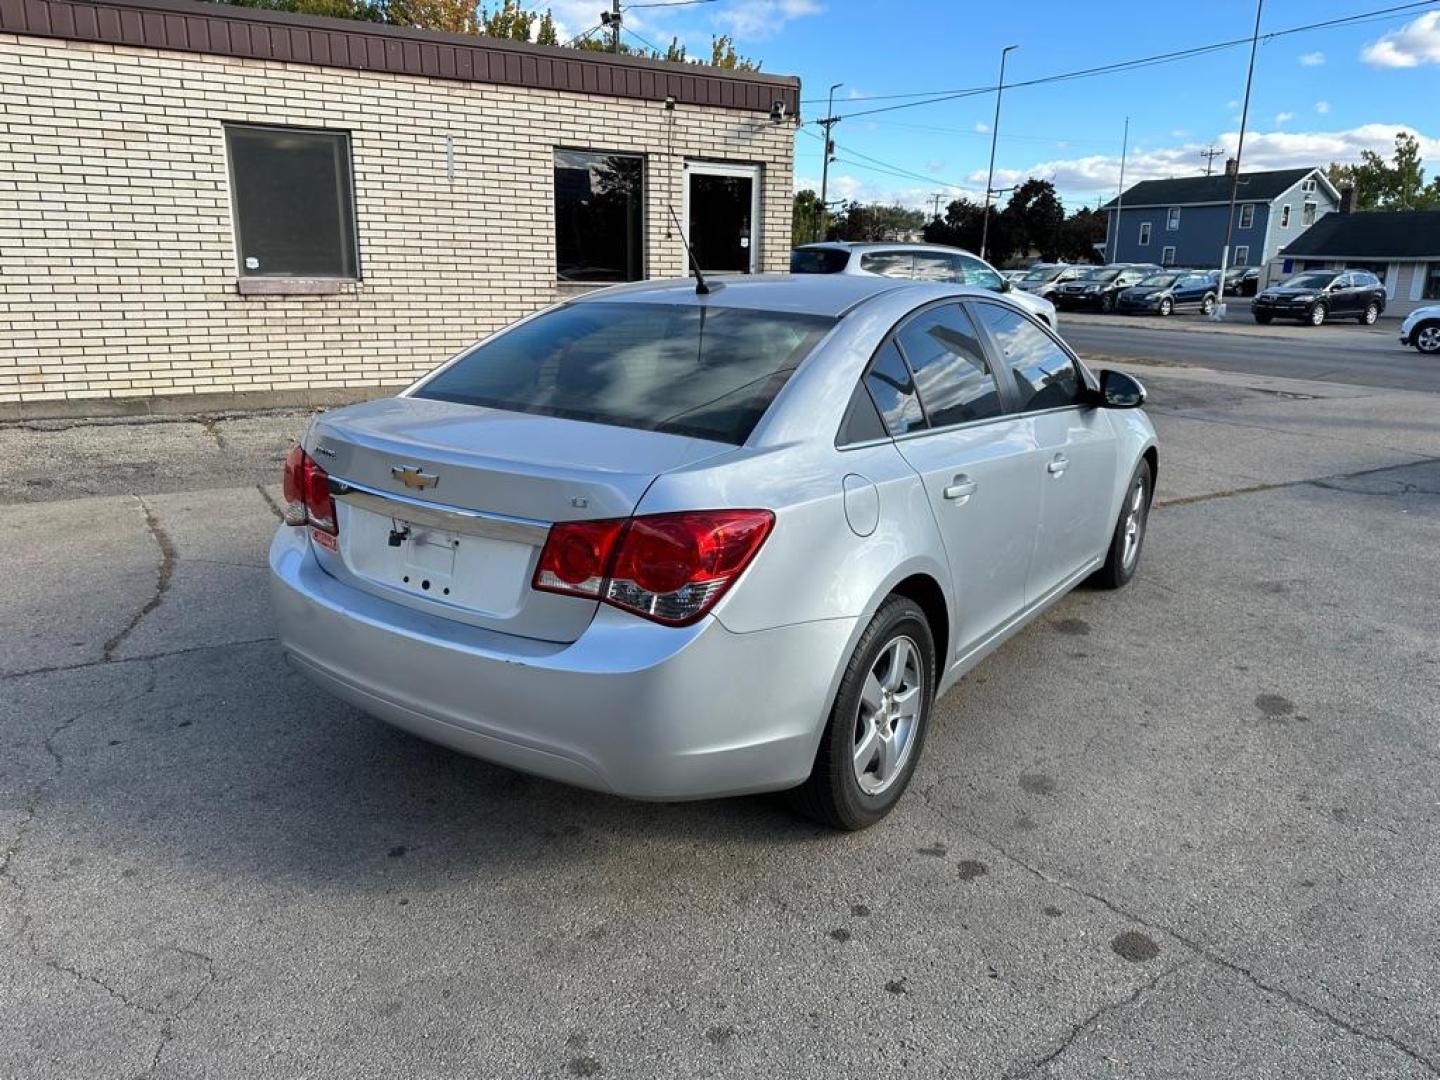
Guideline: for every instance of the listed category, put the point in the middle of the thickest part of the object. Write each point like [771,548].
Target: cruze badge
[414,477]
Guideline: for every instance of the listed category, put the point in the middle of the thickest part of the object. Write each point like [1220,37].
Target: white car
[1421,328]
[919,262]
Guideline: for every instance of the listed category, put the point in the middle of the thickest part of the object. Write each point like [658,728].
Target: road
[1342,353]
[1185,830]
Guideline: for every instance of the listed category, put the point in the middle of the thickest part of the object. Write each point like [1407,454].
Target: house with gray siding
[1181,221]
[1400,247]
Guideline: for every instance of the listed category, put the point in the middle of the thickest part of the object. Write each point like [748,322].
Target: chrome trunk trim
[453,518]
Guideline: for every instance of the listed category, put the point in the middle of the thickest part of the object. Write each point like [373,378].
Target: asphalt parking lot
[1191,829]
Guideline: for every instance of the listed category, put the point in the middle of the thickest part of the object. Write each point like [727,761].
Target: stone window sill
[269,286]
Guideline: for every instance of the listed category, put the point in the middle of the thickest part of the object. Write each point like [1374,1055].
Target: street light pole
[830,121]
[1219,312]
[1120,198]
[994,134]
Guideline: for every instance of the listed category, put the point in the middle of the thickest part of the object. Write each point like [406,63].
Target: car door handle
[1058,466]
[960,489]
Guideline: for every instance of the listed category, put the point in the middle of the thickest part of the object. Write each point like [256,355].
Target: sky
[1319,96]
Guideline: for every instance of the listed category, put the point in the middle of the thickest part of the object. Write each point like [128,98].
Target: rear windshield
[684,369]
[818,260]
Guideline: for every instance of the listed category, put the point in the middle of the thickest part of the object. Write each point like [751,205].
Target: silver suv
[919,262]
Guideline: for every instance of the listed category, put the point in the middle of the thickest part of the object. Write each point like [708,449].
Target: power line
[1210,153]
[935,96]
[645,41]
[886,167]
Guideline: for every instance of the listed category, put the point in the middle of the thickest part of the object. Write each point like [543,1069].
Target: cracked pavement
[1184,830]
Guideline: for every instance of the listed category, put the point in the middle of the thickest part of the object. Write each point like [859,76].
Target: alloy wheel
[1207,305]
[1371,314]
[888,718]
[1428,340]
[1134,530]
[1317,315]
[1166,306]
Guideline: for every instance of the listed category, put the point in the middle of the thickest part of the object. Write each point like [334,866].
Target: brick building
[198,199]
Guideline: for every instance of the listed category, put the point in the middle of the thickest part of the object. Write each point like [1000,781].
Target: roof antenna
[701,289]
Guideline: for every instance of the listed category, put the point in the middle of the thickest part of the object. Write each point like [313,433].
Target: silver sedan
[676,545]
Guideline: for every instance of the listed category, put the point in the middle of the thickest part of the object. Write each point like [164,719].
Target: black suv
[1098,289]
[1316,295]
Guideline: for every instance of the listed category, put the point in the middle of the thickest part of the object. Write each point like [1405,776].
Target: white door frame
[726,168]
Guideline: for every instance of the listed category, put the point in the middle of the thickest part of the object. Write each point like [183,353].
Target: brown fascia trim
[221,29]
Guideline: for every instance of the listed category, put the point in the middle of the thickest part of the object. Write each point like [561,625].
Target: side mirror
[1006,285]
[1120,391]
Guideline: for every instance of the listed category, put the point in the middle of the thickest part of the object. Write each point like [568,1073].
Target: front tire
[1264,320]
[1427,338]
[1167,306]
[1370,314]
[877,726]
[1316,315]
[1123,558]
[1107,304]
[1207,306]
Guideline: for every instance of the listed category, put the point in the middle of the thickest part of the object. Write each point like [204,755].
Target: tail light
[307,494]
[670,568]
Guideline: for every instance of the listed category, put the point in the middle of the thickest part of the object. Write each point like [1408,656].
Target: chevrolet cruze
[676,544]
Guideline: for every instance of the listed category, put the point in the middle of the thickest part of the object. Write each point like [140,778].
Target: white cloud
[936,166]
[761,18]
[1263,150]
[1413,44]
[1322,107]
[1313,59]
[1180,133]
[982,128]
[1233,104]
[1284,117]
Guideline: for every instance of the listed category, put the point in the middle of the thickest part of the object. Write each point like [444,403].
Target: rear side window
[818,261]
[687,369]
[952,375]
[935,266]
[1044,374]
[898,264]
[893,390]
[980,275]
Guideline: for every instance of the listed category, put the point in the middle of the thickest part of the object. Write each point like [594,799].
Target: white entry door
[722,216]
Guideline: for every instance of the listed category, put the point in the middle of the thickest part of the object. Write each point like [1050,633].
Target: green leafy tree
[509,21]
[1397,184]
[1032,220]
[1079,234]
[962,225]
[874,221]
[361,10]
[723,55]
[546,34]
[804,218]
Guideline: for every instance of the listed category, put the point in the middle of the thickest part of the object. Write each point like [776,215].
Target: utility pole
[1120,198]
[612,20]
[1210,153]
[829,122]
[935,205]
[1219,312]
[994,134]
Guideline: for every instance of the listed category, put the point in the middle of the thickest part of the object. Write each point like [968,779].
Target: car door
[1074,446]
[934,386]
[1345,297]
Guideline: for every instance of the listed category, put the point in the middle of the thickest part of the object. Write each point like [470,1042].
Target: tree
[874,221]
[1079,234]
[509,21]
[804,218]
[723,55]
[546,35]
[362,10]
[1032,220]
[1398,184]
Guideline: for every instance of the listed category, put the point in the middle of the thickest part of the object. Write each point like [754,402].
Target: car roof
[811,294]
[880,245]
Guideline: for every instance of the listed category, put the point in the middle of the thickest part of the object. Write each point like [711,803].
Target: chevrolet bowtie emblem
[414,477]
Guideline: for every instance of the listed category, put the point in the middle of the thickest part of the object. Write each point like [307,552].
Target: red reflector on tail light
[295,486]
[307,493]
[670,568]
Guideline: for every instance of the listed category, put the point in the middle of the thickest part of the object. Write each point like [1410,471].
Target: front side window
[1044,374]
[1144,234]
[898,264]
[1321,279]
[979,274]
[1172,219]
[893,391]
[599,219]
[710,372]
[293,202]
[1247,215]
[952,376]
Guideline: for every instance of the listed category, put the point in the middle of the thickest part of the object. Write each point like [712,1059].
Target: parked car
[919,262]
[1242,280]
[1012,276]
[1099,288]
[1044,279]
[1316,295]
[1421,329]
[672,546]
[1163,293]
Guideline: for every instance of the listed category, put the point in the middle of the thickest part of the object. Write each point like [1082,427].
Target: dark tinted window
[978,274]
[889,263]
[598,203]
[1044,374]
[294,212]
[890,385]
[862,421]
[818,260]
[687,369]
[952,375]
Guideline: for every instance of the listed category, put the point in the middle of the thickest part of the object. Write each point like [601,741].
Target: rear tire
[1123,558]
[1370,314]
[836,793]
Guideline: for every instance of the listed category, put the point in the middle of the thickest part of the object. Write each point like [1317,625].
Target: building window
[1285,216]
[1172,219]
[1144,234]
[293,203]
[1308,185]
[1167,256]
[1432,281]
[599,211]
[1247,215]
[1307,214]
[1242,255]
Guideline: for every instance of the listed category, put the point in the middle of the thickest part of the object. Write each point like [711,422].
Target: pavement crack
[1080,1028]
[1328,483]
[144,659]
[210,425]
[162,580]
[270,502]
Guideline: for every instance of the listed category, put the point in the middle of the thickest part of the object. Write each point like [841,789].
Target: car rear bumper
[630,707]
